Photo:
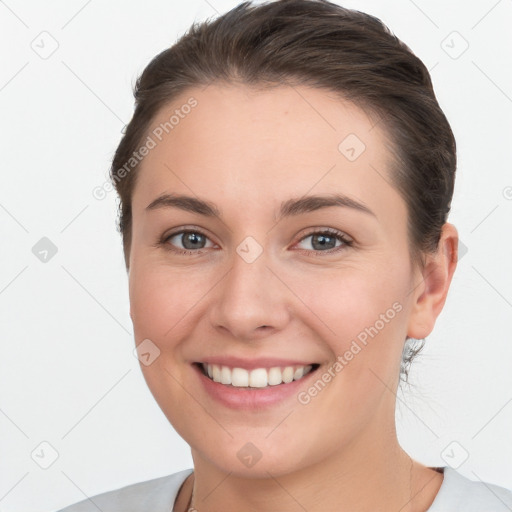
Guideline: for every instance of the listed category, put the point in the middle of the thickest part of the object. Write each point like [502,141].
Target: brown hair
[319,44]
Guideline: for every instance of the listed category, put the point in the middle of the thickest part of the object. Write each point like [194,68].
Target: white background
[67,372]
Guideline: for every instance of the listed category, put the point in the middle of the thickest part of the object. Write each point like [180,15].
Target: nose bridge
[249,296]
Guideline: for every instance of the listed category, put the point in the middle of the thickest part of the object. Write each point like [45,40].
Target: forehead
[242,144]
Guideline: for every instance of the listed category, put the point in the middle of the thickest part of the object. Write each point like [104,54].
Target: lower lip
[246,398]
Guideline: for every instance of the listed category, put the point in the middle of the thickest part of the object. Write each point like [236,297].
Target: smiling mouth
[257,377]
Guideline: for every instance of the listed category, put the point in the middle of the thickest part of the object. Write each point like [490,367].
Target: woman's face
[262,284]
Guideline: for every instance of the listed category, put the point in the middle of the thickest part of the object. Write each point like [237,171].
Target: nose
[250,302]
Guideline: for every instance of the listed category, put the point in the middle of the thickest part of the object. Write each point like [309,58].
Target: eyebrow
[291,207]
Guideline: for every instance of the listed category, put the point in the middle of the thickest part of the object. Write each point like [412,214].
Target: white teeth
[288,374]
[225,375]
[257,378]
[216,373]
[274,376]
[239,377]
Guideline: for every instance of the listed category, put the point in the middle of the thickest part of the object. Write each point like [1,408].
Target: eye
[325,241]
[192,242]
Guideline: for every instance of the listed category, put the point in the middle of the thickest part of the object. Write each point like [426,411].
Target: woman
[285,183]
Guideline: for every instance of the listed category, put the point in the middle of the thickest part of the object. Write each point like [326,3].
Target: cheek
[162,304]
[362,319]
[161,299]
[361,314]
[348,300]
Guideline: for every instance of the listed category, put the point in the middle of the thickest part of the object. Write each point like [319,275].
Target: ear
[432,284]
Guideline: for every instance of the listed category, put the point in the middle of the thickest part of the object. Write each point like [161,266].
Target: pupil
[321,240]
[191,238]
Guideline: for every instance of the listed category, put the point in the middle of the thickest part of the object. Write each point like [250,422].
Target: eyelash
[164,242]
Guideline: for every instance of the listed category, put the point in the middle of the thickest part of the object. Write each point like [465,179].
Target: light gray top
[457,493]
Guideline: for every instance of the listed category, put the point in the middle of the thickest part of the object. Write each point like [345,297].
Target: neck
[373,473]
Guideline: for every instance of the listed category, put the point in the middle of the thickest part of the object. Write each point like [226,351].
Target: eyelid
[324,230]
[185,229]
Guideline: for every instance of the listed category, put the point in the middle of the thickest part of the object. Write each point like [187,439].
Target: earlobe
[435,279]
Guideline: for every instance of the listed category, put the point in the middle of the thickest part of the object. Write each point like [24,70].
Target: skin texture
[247,150]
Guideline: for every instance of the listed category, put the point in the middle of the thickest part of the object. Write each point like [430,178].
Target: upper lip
[256,362]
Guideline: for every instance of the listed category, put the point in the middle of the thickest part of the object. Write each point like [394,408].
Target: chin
[252,459]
